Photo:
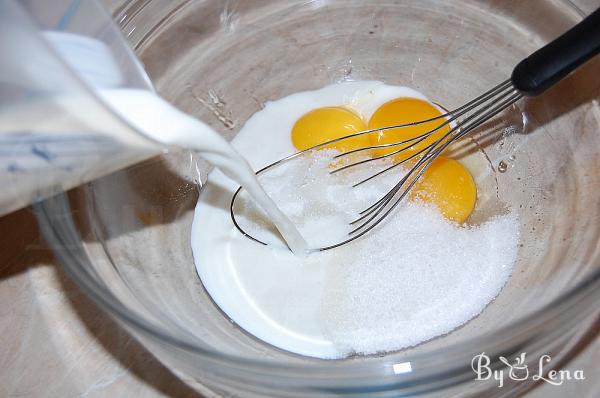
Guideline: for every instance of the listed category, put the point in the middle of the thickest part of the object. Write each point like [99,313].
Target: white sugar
[420,277]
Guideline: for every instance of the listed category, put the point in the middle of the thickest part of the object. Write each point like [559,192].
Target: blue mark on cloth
[42,153]
[14,168]
[68,15]
[25,151]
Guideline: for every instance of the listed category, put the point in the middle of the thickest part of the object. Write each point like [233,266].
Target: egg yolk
[325,124]
[448,185]
[402,111]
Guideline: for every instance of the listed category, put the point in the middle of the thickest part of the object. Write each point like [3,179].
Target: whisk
[531,77]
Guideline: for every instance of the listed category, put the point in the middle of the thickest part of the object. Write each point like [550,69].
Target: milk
[160,121]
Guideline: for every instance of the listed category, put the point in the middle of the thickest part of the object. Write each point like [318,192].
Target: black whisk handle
[545,67]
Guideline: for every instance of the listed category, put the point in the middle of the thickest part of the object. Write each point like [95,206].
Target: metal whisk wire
[462,121]
[492,103]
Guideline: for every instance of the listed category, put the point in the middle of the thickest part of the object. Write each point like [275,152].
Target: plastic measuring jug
[55,131]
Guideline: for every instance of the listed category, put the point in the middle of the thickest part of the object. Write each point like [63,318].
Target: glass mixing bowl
[125,238]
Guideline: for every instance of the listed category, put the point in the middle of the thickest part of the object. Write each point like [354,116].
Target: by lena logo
[518,370]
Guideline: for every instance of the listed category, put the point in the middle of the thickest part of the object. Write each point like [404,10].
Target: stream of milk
[162,122]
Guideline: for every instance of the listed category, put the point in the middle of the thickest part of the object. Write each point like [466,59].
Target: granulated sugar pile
[418,278]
